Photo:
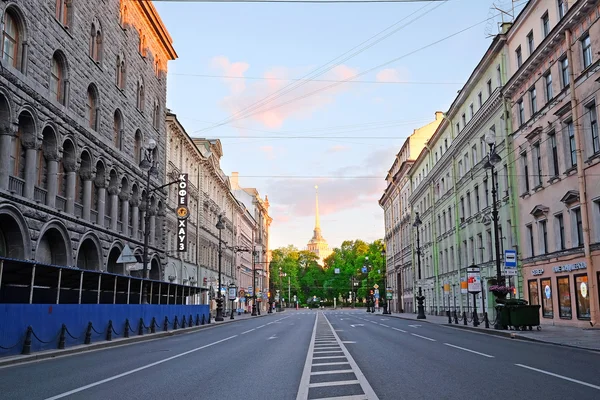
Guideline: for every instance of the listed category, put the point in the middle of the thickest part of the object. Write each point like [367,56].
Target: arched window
[118,131]
[64,12]
[157,68]
[11,39]
[121,72]
[92,107]
[58,78]
[137,147]
[96,43]
[142,48]
[140,95]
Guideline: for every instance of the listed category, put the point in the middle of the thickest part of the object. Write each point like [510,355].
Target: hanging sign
[232,293]
[473,279]
[447,288]
[182,212]
[464,287]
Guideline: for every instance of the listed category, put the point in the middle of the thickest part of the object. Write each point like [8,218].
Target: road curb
[506,334]
[42,355]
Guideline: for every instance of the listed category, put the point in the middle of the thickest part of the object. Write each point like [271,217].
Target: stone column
[71,171]
[88,181]
[113,191]
[6,136]
[124,197]
[100,183]
[152,212]
[143,210]
[31,149]
[135,211]
[52,178]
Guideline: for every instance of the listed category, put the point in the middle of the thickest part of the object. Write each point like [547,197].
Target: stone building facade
[82,89]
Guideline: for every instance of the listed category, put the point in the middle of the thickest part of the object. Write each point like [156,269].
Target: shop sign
[537,272]
[569,267]
[182,212]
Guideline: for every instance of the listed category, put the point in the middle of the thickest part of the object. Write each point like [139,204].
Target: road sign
[126,256]
[376,286]
[250,290]
[510,258]
[510,272]
[389,293]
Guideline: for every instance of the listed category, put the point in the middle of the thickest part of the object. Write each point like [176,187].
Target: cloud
[391,75]
[299,103]
[338,148]
[269,151]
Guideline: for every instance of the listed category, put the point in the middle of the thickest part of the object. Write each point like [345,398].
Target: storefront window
[564,297]
[534,294]
[547,309]
[583,296]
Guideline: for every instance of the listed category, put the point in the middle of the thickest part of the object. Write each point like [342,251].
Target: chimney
[234,180]
[439,115]
[504,28]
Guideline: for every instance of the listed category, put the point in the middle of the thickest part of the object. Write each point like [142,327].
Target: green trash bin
[525,316]
[503,315]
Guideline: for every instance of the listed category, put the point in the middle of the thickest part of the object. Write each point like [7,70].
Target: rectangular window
[564,297]
[545,25]
[479,99]
[562,8]
[486,193]
[506,188]
[474,151]
[480,247]
[530,44]
[460,169]
[519,57]
[533,100]
[469,204]
[525,172]
[543,232]
[564,71]
[499,76]
[464,119]
[578,227]
[462,208]
[547,308]
[572,146]
[530,242]
[537,157]
[521,111]
[471,110]
[583,297]
[586,48]
[489,87]
[560,226]
[593,118]
[548,84]
[534,292]
[489,246]
[477,205]
[458,127]
[554,153]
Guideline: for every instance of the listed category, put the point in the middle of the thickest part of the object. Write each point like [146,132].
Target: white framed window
[576,227]
[519,57]
[548,86]
[545,24]
[530,43]
[564,71]
[586,49]
[530,241]
[543,236]
[533,100]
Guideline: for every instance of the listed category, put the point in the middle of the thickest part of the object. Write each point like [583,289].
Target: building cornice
[159,28]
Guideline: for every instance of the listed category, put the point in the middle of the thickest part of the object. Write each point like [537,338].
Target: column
[135,215]
[31,150]
[71,171]
[143,208]
[6,136]
[51,178]
[124,197]
[100,183]
[87,177]
[152,212]
[113,192]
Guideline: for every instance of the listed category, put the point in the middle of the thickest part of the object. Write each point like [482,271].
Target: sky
[234,80]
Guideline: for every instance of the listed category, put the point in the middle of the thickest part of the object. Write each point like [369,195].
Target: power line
[315,80]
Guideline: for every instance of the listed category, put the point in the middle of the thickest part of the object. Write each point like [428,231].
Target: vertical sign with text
[182,212]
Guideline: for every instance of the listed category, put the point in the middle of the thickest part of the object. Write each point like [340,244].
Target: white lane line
[328,352]
[305,380]
[331,363]
[355,397]
[133,371]
[387,326]
[249,330]
[327,347]
[258,327]
[398,329]
[423,337]
[469,350]
[338,383]
[324,358]
[337,371]
[559,376]
[364,383]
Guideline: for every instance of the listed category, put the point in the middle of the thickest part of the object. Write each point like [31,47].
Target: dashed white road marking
[469,350]
[249,330]
[559,376]
[423,337]
[398,329]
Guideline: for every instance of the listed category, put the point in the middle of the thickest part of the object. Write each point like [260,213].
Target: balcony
[60,203]
[16,185]
[78,210]
[107,221]
[39,195]
[94,216]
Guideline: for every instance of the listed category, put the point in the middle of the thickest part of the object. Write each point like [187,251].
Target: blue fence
[47,331]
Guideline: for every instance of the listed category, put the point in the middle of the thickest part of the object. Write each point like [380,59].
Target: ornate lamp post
[420,297]
[147,165]
[220,226]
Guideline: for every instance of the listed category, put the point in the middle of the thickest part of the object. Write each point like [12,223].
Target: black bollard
[191,321]
[88,334]
[141,327]
[126,330]
[109,330]
[465,317]
[203,321]
[197,319]
[183,322]
[27,343]
[166,324]
[486,320]
[61,339]
[153,325]
[175,323]
[455,317]
[449,316]
[208,320]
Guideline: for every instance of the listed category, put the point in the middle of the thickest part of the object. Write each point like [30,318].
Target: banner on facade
[474,279]
[182,212]
[446,288]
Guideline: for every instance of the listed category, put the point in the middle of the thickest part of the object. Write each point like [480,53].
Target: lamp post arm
[163,186]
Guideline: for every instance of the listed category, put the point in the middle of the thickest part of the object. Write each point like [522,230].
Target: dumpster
[525,316]
[503,316]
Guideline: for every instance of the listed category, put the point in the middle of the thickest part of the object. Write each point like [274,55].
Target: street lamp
[220,226]
[493,159]
[420,297]
[387,309]
[254,254]
[147,165]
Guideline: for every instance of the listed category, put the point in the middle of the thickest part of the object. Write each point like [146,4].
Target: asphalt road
[308,355]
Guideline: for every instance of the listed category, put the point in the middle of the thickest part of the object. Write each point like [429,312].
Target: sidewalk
[588,339]
[120,341]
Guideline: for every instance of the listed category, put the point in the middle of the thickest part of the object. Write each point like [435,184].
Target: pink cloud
[268,151]
[338,148]
[235,69]
[299,103]
[391,75]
